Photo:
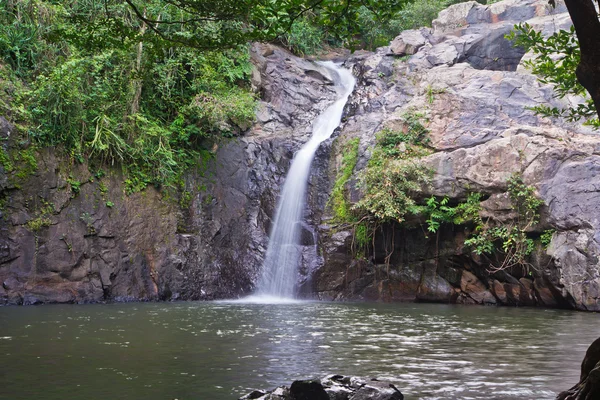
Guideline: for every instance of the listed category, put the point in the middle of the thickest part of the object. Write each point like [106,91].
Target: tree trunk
[585,20]
[588,387]
[137,82]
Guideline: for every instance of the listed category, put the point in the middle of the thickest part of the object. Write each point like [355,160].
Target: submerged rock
[333,387]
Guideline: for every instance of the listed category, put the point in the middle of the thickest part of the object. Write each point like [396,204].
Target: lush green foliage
[513,238]
[394,175]
[439,212]
[304,37]
[373,33]
[218,24]
[556,59]
[120,100]
[337,201]
[370,28]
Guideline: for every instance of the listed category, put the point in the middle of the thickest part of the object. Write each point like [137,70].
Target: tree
[569,60]
[587,26]
[220,24]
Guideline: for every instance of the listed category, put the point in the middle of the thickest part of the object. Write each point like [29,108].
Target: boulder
[333,387]
[409,42]
[474,33]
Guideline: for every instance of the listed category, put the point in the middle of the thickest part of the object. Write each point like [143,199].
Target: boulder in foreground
[333,387]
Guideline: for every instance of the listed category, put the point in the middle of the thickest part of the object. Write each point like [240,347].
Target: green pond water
[213,351]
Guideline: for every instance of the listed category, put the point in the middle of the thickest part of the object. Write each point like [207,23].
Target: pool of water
[213,351]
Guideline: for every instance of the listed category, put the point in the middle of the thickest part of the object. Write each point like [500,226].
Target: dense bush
[150,108]
[395,175]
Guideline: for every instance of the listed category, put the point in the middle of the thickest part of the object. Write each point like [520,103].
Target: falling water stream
[283,253]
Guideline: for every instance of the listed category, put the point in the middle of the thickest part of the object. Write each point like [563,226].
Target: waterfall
[284,253]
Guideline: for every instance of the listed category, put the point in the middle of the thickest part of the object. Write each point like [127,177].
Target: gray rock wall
[482,131]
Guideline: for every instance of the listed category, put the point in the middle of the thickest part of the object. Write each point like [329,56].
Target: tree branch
[587,26]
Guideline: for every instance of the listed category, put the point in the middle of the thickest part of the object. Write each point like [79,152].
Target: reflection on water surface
[221,350]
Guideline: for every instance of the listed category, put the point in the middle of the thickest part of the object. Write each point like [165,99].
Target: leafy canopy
[219,24]
[150,107]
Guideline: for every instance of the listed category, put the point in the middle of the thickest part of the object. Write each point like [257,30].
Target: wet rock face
[334,387]
[481,131]
[94,243]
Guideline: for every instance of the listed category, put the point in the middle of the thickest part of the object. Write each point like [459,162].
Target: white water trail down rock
[283,256]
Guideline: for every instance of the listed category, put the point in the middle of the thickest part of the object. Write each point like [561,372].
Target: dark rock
[333,387]
[308,390]
[256,394]
[377,390]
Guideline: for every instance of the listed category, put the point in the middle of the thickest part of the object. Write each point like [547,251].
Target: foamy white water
[278,279]
[264,299]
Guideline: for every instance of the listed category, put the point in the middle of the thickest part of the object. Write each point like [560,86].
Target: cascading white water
[283,253]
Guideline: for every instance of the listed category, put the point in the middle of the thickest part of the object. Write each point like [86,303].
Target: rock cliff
[70,234]
[466,80]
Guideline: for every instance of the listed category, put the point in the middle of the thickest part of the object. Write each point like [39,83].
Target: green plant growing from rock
[42,219]
[392,180]
[513,238]
[439,212]
[74,184]
[69,245]
[546,237]
[88,220]
[394,175]
[431,92]
[337,201]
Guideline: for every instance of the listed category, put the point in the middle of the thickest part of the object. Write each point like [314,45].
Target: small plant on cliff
[338,202]
[513,238]
[42,219]
[393,179]
[546,237]
[439,212]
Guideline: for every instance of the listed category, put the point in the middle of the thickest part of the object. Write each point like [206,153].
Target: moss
[6,161]
[27,162]
[42,220]
[36,224]
[337,201]
[362,238]
[185,199]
